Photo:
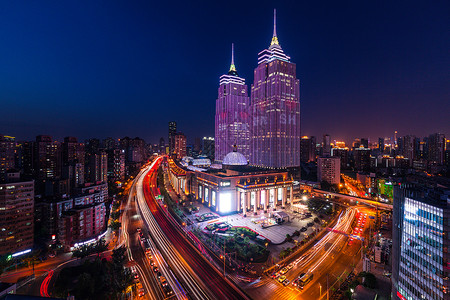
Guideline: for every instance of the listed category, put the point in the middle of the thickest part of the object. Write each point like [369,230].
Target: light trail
[185,272]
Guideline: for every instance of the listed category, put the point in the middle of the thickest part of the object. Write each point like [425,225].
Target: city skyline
[366,70]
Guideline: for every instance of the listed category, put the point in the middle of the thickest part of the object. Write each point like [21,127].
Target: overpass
[365,201]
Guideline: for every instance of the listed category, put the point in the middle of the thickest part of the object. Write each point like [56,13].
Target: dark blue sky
[116,68]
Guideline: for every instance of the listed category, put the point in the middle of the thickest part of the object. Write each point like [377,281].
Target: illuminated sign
[225,183]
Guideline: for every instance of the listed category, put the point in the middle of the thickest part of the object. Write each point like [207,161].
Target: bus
[305,279]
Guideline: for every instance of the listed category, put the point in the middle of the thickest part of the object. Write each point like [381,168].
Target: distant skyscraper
[209,147]
[436,146]
[362,159]
[98,167]
[7,154]
[326,145]
[162,146]
[381,144]
[365,142]
[47,158]
[275,109]
[308,149]
[179,149]
[232,118]
[172,133]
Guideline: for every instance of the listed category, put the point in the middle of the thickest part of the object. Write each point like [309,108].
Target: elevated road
[198,277]
[365,201]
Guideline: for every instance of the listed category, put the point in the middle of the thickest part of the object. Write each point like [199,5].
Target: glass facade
[423,258]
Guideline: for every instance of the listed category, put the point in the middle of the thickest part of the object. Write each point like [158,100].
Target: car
[310,224]
[158,275]
[286,282]
[141,292]
[295,282]
[290,266]
[284,270]
[275,275]
[152,263]
[303,229]
[155,269]
[282,278]
[138,229]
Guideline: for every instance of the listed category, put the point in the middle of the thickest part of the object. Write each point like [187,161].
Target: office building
[329,169]
[420,242]
[16,216]
[232,115]
[275,109]
[172,133]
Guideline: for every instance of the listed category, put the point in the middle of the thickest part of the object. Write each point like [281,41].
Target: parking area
[276,234]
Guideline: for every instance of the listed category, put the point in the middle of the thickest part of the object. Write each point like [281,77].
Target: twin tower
[265,127]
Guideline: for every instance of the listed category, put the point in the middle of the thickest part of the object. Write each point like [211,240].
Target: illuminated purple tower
[232,119]
[275,109]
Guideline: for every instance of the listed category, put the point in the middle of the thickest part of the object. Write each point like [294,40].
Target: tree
[114,225]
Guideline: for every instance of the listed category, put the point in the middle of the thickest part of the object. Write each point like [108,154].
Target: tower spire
[274,37]
[232,70]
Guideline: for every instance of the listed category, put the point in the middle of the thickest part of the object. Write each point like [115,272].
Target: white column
[238,195]
[257,200]
[244,209]
[283,197]
[266,200]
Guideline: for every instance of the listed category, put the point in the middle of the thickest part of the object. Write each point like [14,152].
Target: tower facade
[232,115]
[275,109]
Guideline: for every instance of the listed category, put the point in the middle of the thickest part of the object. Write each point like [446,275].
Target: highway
[198,277]
[330,255]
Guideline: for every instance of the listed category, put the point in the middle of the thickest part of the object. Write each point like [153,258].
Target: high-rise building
[208,147]
[98,167]
[172,133]
[16,216]
[162,146]
[436,147]
[275,109]
[381,144]
[47,158]
[307,149]
[362,158]
[419,242]
[365,142]
[326,145]
[342,153]
[179,150]
[329,169]
[116,164]
[109,143]
[72,150]
[7,154]
[232,116]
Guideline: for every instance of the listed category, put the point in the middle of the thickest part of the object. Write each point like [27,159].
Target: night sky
[117,68]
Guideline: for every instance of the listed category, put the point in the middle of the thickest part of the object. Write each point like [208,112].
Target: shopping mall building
[233,186]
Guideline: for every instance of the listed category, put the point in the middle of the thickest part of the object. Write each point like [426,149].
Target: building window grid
[427,217]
